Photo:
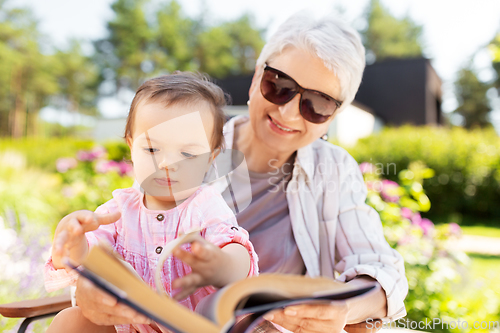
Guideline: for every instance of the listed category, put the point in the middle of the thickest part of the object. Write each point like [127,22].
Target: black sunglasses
[279,88]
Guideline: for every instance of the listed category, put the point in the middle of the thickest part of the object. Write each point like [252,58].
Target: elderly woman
[307,213]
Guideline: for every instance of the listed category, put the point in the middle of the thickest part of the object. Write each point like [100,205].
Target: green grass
[481,231]
[463,220]
[479,291]
[487,269]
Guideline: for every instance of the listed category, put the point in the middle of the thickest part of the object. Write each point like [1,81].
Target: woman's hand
[69,238]
[102,308]
[334,316]
[211,265]
[312,318]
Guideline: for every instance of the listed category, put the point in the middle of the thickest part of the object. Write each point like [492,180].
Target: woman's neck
[259,157]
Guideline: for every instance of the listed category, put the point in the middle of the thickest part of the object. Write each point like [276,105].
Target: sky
[453,30]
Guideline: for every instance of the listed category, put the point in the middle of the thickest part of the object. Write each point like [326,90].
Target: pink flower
[366,167]
[123,168]
[374,185]
[427,226]
[416,218]
[68,192]
[390,191]
[405,240]
[64,164]
[90,155]
[406,213]
[455,229]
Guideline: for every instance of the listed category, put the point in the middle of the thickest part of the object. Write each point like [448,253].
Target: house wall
[353,124]
[396,91]
[109,129]
[433,97]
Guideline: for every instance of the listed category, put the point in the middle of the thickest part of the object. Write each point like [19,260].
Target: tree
[474,106]
[78,80]
[175,40]
[389,37]
[125,53]
[26,78]
[140,46]
[31,80]
[494,48]
[231,48]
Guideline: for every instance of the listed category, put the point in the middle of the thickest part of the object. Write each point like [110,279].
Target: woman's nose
[290,111]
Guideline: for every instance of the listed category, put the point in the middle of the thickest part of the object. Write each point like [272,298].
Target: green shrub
[466,163]
[43,153]
[436,272]
[117,150]
[68,180]
[32,202]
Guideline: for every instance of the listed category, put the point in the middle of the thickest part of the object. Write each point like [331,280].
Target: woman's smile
[280,128]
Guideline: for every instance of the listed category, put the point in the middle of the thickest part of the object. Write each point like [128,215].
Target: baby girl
[174,131]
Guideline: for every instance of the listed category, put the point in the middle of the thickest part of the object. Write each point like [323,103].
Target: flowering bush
[34,197]
[24,248]
[89,179]
[32,201]
[433,268]
[466,163]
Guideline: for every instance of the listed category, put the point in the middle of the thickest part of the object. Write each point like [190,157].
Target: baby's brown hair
[183,87]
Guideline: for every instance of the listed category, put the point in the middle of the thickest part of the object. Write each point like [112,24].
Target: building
[402,91]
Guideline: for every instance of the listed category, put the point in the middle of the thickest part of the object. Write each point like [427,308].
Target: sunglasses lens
[277,89]
[316,108]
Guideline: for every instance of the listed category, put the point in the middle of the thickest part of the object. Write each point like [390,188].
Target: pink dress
[140,234]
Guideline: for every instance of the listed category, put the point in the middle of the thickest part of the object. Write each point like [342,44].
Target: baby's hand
[69,238]
[206,261]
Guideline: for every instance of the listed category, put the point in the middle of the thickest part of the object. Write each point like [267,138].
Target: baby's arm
[211,265]
[69,238]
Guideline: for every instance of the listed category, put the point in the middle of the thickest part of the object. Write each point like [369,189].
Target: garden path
[479,244]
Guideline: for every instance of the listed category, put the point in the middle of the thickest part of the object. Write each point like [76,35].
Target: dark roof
[237,87]
[402,91]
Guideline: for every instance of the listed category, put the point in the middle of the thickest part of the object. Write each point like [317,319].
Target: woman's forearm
[373,305]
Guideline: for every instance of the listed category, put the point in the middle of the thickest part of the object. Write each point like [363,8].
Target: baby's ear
[129,142]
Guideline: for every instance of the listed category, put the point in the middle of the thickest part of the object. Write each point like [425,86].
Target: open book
[217,312]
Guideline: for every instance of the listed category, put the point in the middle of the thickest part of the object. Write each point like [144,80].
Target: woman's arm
[373,305]
[360,246]
[362,256]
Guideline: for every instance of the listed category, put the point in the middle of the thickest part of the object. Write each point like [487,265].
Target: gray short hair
[333,41]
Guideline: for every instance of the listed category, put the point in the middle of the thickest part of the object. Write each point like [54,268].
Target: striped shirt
[335,231]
